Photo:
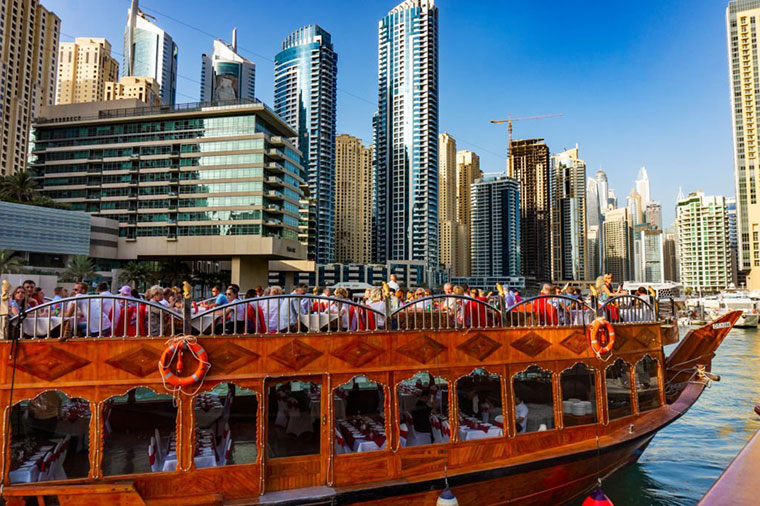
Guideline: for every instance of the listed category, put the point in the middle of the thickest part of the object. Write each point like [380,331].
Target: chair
[226,453]
[57,472]
[45,467]
[403,434]
[340,443]
[435,425]
[156,464]
[159,451]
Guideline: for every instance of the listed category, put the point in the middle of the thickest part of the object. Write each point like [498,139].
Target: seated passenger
[521,415]
[421,414]
[348,319]
[370,320]
[91,319]
[30,286]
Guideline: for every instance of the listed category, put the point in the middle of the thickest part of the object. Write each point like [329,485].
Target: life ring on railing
[183,381]
[601,336]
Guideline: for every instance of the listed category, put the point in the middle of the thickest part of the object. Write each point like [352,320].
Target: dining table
[41,325]
[27,468]
[205,450]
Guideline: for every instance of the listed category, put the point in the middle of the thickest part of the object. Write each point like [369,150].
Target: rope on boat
[178,343]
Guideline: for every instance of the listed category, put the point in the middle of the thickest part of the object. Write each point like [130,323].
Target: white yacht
[717,305]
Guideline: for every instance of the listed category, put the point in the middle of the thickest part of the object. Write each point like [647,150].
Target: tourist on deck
[18,302]
[276,311]
[521,415]
[509,298]
[91,320]
[393,283]
[518,297]
[543,309]
[39,295]
[420,305]
[300,303]
[219,298]
[29,287]
[153,315]
[347,312]
[168,300]
[449,303]
[234,317]
[377,303]
[108,306]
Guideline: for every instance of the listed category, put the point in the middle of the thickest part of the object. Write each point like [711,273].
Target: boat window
[578,395]
[423,408]
[139,433]
[534,400]
[359,407]
[647,384]
[294,411]
[480,410]
[50,438]
[618,379]
[226,421]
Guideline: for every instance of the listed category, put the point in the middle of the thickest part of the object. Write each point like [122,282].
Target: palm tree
[9,264]
[79,268]
[138,273]
[20,187]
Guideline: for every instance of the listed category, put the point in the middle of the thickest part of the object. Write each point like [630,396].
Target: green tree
[139,273]
[79,268]
[9,264]
[20,187]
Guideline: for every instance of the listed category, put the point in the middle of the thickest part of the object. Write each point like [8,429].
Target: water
[686,458]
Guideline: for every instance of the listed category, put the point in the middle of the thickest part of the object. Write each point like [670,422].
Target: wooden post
[4,314]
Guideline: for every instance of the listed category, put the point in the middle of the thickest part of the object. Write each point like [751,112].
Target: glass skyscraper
[225,75]
[305,85]
[150,52]
[406,135]
[495,227]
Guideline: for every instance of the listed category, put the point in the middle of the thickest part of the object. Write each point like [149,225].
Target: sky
[637,83]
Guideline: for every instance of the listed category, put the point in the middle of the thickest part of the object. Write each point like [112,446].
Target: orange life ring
[183,381]
[596,343]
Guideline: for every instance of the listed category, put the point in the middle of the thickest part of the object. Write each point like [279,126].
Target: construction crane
[509,121]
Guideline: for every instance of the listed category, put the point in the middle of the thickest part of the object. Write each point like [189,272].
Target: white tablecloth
[203,324]
[29,471]
[467,434]
[206,456]
[41,326]
[317,321]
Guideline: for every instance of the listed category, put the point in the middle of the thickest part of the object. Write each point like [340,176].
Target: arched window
[50,438]
[139,433]
[480,410]
[578,395]
[647,384]
[294,411]
[618,380]
[534,400]
[226,421]
[359,407]
[423,410]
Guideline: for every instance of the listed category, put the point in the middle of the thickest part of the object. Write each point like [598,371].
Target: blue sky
[638,83]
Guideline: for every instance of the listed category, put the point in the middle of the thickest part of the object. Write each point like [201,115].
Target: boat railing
[627,309]
[447,311]
[95,316]
[550,311]
[289,313]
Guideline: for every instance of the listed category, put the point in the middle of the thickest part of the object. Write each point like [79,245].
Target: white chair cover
[160,455]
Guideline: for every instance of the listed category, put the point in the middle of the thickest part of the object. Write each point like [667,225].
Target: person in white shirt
[521,415]
[276,311]
[393,283]
[235,324]
[92,321]
[109,308]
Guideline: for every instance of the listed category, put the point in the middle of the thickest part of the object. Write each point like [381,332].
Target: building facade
[570,258]
[406,135]
[29,48]
[642,187]
[496,227]
[635,211]
[618,248]
[150,52]
[448,226]
[733,242]
[225,75]
[84,68]
[648,254]
[144,89]
[529,164]
[468,171]
[353,201]
[670,255]
[742,19]
[703,240]
[305,89]
[189,182]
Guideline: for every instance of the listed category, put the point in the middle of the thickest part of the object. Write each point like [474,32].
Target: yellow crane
[509,121]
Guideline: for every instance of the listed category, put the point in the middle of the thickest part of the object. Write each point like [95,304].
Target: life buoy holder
[176,349]
[601,336]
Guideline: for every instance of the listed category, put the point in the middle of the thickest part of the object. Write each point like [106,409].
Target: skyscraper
[406,134]
[150,52]
[635,211]
[225,75]
[653,214]
[529,163]
[29,36]
[642,186]
[733,241]
[305,88]
[742,18]
[447,202]
[648,259]
[603,190]
[703,239]
[496,227]
[84,68]
[569,254]
[670,255]
[468,171]
[353,201]
[617,244]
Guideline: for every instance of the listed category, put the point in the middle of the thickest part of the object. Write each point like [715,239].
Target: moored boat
[311,400]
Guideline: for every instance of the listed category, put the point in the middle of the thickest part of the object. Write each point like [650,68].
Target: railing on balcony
[550,311]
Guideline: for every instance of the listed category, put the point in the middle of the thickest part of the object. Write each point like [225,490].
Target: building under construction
[529,164]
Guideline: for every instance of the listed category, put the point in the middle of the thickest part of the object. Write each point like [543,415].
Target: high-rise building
[594,252]
[529,165]
[648,254]
[642,186]
[406,135]
[612,201]
[353,201]
[742,18]
[569,254]
[150,52]
[670,255]
[653,214]
[602,190]
[733,242]
[84,68]
[496,227]
[144,89]
[703,241]
[468,171]
[635,210]
[200,182]
[305,88]
[447,203]
[617,244]
[225,75]
[29,36]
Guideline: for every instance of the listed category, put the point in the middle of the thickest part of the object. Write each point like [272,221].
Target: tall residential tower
[406,135]
[305,87]
[225,75]
[569,249]
[84,68]
[353,201]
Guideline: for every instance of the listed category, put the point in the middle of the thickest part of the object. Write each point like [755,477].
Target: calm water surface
[686,458]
